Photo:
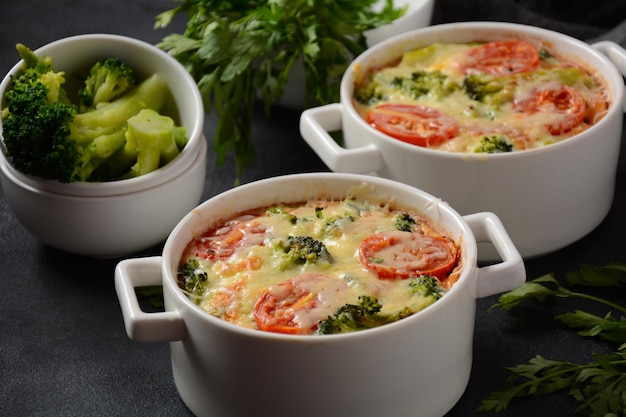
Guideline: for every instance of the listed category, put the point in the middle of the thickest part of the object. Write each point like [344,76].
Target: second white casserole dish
[420,364]
[547,197]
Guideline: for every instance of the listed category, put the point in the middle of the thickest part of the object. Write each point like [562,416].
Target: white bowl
[418,366]
[418,14]
[108,226]
[114,218]
[546,197]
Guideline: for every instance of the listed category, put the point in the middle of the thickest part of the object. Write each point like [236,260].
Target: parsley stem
[571,368]
[599,300]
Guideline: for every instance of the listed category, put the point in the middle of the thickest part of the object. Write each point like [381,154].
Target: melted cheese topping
[511,113]
[244,260]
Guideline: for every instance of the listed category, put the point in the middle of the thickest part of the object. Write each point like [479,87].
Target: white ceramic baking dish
[418,366]
[547,197]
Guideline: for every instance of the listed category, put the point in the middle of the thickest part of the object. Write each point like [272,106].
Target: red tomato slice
[222,243]
[502,58]
[419,125]
[397,254]
[297,305]
[565,101]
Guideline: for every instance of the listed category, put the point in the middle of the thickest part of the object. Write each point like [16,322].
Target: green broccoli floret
[569,76]
[421,83]
[35,121]
[300,250]
[353,317]
[282,211]
[545,55]
[370,93]
[96,153]
[486,89]
[149,94]
[336,224]
[494,144]
[155,139]
[110,117]
[191,278]
[107,80]
[102,134]
[427,286]
[367,313]
[45,135]
[404,222]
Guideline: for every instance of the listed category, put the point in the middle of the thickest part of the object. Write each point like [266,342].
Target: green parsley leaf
[539,289]
[612,275]
[240,51]
[598,387]
[607,327]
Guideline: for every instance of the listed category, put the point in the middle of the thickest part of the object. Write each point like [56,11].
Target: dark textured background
[589,21]
[63,348]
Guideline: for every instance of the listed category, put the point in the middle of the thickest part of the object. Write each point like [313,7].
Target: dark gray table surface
[63,347]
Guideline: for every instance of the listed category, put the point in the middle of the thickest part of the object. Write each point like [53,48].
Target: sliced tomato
[297,305]
[397,254]
[222,243]
[416,124]
[501,58]
[564,101]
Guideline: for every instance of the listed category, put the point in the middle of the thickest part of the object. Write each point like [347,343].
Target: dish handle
[616,54]
[499,277]
[315,125]
[140,326]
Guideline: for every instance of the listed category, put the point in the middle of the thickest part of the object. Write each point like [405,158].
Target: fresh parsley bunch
[599,387]
[238,51]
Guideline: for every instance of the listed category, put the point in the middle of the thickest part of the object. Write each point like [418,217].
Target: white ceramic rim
[413,8]
[91,189]
[9,172]
[612,78]
[467,243]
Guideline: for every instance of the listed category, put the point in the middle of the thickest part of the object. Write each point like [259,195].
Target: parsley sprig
[240,50]
[598,387]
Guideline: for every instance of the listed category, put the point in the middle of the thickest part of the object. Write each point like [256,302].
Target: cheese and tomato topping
[481,97]
[290,268]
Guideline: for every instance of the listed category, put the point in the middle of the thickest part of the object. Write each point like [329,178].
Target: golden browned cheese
[530,99]
[252,273]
